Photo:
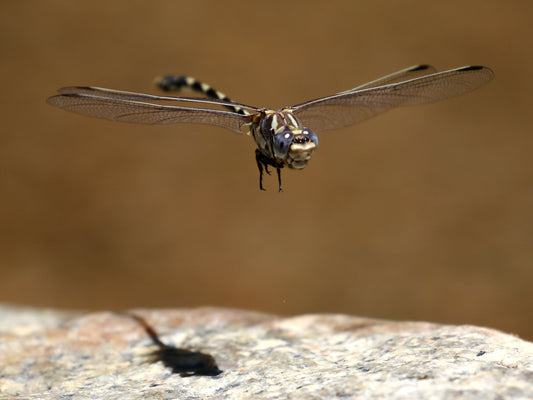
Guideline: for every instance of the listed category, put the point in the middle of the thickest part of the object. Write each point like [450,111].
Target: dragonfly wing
[415,71]
[354,106]
[119,109]
[123,95]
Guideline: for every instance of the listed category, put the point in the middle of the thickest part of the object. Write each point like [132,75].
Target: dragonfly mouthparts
[300,139]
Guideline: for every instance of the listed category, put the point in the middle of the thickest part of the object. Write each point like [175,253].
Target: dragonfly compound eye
[282,144]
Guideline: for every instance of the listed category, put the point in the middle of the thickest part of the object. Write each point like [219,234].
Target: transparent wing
[126,107]
[123,95]
[415,71]
[356,105]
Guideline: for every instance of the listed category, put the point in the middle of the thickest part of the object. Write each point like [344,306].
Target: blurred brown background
[422,213]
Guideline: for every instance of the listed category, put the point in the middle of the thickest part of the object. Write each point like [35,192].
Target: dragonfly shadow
[181,361]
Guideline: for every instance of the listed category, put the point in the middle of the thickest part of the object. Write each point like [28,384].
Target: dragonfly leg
[260,164]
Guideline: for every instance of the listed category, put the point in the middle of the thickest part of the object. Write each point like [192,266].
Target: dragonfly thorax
[280,138]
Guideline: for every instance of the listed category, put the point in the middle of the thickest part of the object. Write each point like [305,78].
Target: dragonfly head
[295,146]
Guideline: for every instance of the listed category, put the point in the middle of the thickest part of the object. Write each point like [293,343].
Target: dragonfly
[284,137]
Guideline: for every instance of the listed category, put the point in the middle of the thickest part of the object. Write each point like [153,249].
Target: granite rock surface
[46,354]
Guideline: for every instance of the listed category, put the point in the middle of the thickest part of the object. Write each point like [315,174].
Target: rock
[104,355]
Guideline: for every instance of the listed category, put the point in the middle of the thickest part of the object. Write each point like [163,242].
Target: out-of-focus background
[423,213]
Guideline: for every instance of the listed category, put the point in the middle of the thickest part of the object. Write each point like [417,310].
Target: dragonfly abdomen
[175,83]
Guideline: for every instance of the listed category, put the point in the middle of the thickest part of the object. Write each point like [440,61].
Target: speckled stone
[102,355]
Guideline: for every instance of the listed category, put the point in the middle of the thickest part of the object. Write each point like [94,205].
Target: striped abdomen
[174,83]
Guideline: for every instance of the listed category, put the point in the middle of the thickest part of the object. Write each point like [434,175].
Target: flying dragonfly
[283,138]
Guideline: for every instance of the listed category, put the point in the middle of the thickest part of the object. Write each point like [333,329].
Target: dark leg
[262,163]
[260,166]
